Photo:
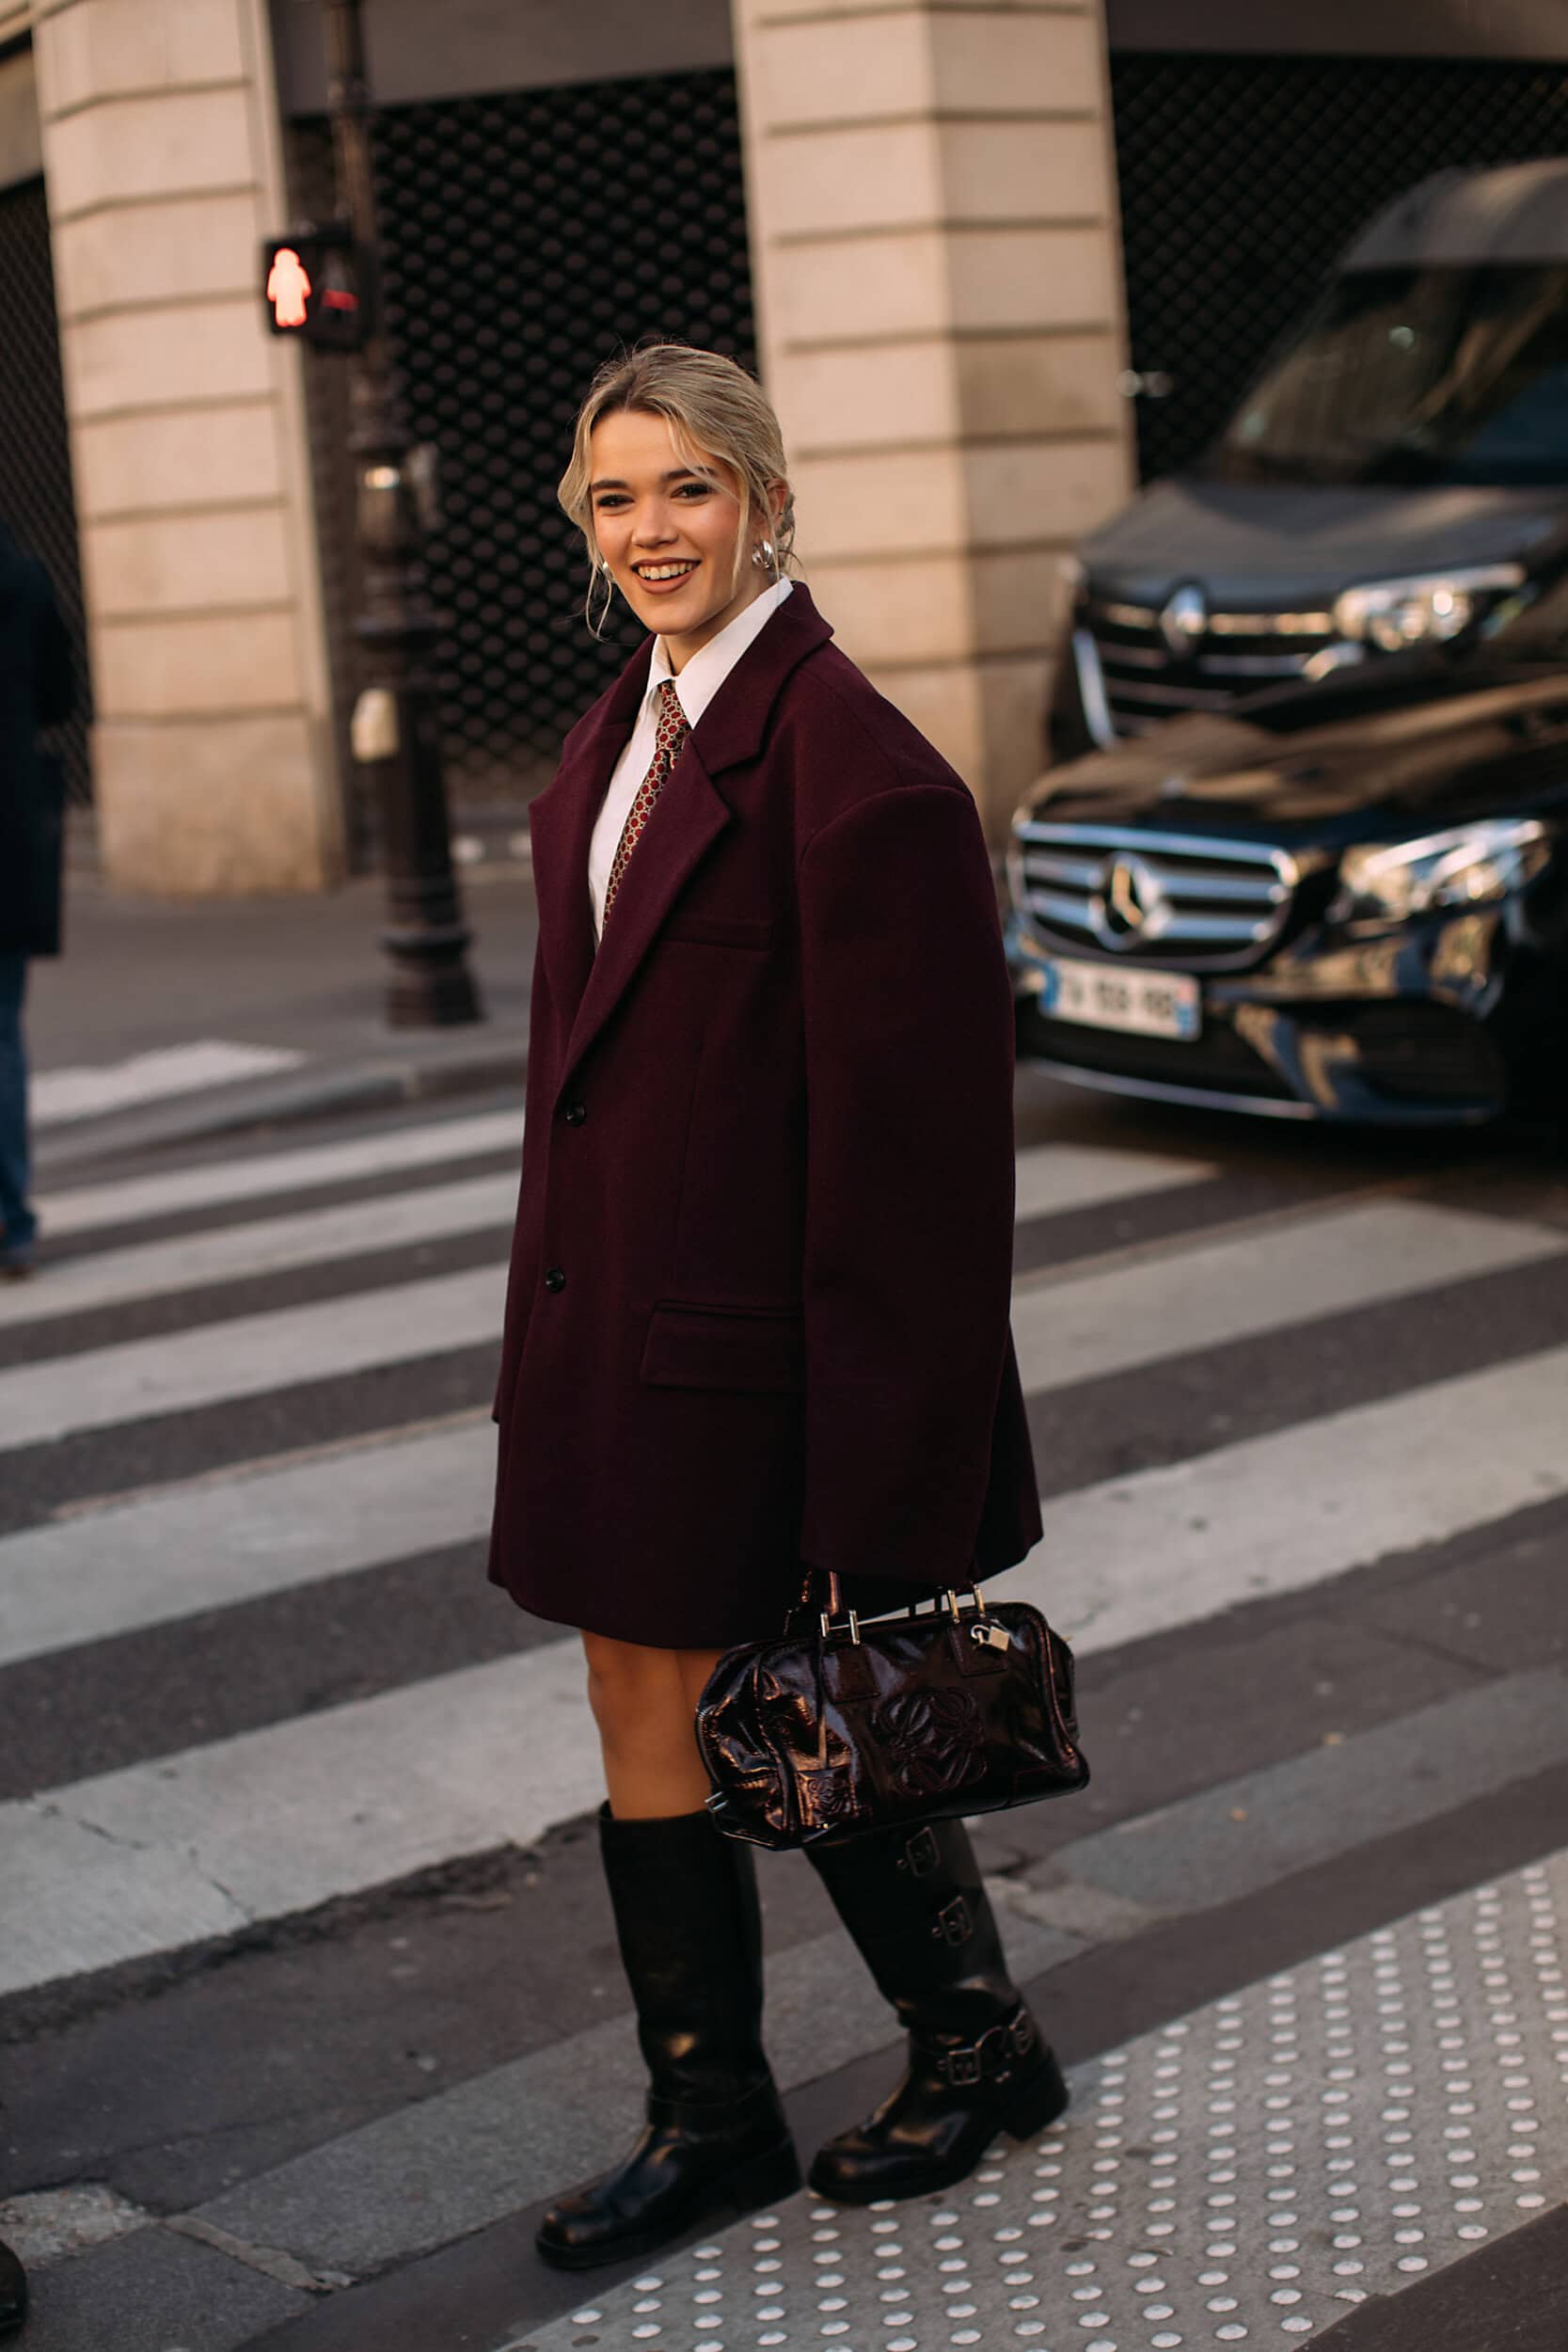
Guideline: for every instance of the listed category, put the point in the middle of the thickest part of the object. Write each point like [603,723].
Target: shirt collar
[706,671]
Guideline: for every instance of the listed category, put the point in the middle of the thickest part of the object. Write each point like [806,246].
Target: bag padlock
[993,1636]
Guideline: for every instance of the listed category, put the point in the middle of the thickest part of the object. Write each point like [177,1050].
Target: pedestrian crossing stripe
[278,1245]
[58,1097]
[279,1819]
[223,1541]
[265,1175]
[1068,1326]
[1051,1177]
[276,1819]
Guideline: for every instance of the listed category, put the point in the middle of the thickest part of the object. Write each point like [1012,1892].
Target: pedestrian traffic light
[319,285]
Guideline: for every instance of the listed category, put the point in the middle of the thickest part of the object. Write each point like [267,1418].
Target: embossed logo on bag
[933,1741]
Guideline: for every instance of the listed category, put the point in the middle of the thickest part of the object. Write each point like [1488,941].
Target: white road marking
[278,1819]
[1051,1177]
[60,1096]
[275,1820]
[261,1531]
[237,1253]
[1054,1177]
[89,1208]
[1066,1331]
[164,1556]
[222,1362]
[1177,1545]
[1079,1327]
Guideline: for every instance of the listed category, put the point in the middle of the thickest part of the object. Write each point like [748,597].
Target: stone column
[938,267]
[162,159]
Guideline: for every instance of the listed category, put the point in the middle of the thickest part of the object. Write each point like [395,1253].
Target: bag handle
[823,1592]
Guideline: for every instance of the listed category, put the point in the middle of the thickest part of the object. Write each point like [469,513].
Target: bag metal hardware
[832,1619]
[989,1635]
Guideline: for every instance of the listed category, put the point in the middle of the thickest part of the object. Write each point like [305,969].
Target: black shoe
[13,2291]
[691,1935]
[977,2065]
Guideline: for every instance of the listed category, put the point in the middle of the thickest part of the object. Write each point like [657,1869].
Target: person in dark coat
[756,1326]
[36,690]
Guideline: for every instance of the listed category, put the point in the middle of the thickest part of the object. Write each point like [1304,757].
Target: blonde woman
[757,1315]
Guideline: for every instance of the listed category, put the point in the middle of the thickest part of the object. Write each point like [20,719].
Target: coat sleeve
[908,1219]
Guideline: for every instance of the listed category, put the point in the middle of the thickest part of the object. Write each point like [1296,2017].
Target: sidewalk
[290,990]
[1284,2163]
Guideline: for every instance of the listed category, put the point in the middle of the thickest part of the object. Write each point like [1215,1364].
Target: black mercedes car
[1341,899]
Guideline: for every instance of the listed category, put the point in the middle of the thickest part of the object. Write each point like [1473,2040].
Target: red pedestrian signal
[318,285]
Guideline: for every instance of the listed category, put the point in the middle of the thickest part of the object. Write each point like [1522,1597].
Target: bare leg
[644,1702]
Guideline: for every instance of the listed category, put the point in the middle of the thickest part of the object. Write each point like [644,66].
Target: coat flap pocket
[719,930]
[724,1347]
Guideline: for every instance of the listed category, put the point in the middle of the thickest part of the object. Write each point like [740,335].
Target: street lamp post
[397,718]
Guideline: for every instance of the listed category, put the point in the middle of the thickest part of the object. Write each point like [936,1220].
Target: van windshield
[1419,374]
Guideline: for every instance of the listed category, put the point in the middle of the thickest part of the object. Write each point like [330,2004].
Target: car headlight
[1472,865]
[1393,614]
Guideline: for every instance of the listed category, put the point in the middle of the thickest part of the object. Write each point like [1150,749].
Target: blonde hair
[713,408]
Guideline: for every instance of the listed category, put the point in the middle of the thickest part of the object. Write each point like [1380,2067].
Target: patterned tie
[672,732]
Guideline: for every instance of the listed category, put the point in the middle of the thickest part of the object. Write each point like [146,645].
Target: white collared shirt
[695,688]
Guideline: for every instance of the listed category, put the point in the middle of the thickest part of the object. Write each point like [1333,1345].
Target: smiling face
[667,519]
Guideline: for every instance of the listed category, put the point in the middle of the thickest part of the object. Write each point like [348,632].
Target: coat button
[555,1277]
[574,1114]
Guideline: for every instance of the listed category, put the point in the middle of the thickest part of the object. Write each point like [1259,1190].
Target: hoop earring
[596,622]
[764,556]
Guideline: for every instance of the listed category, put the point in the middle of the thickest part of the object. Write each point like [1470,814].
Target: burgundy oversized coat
[757,1312]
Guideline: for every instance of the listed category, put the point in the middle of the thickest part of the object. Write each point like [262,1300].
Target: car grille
[1182,899]
[1218,1063]
[1142,682]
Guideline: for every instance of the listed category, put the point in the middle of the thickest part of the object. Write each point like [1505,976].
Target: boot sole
[1033,2105]
[764,2181]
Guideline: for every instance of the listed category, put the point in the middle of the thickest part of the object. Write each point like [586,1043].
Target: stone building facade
[921,219]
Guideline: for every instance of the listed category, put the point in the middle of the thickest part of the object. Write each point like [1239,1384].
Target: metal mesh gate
[36,497]
[1241,179]
[528,234]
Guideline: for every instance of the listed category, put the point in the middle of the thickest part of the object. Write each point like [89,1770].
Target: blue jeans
[16,1216]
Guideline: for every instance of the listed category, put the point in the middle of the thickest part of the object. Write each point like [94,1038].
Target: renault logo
[1129,902]
[1185,620]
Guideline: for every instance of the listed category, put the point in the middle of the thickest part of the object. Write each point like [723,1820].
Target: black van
[1400,466]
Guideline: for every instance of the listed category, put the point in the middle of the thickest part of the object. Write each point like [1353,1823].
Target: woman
[758,1316]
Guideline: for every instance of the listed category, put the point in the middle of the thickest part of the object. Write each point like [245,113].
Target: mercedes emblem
[1185,620]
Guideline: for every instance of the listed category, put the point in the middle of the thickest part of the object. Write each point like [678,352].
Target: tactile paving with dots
[1244,2175]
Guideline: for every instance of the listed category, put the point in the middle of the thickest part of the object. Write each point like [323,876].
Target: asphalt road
[307,1992]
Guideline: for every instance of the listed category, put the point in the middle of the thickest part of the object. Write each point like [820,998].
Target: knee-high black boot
[691,1934]
[917,1911]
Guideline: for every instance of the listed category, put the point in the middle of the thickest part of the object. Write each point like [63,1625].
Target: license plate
[1149,1003]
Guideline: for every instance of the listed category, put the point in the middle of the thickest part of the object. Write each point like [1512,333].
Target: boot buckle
[953,1925]
[994,2054]
[972,2062]
[920,1854]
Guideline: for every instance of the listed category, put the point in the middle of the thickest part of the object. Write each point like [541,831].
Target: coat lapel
[688,818]
[560,825]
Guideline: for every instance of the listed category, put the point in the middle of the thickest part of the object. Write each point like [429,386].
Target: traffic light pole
[397,719]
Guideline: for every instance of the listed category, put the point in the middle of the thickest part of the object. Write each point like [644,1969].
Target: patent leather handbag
[837,1728]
